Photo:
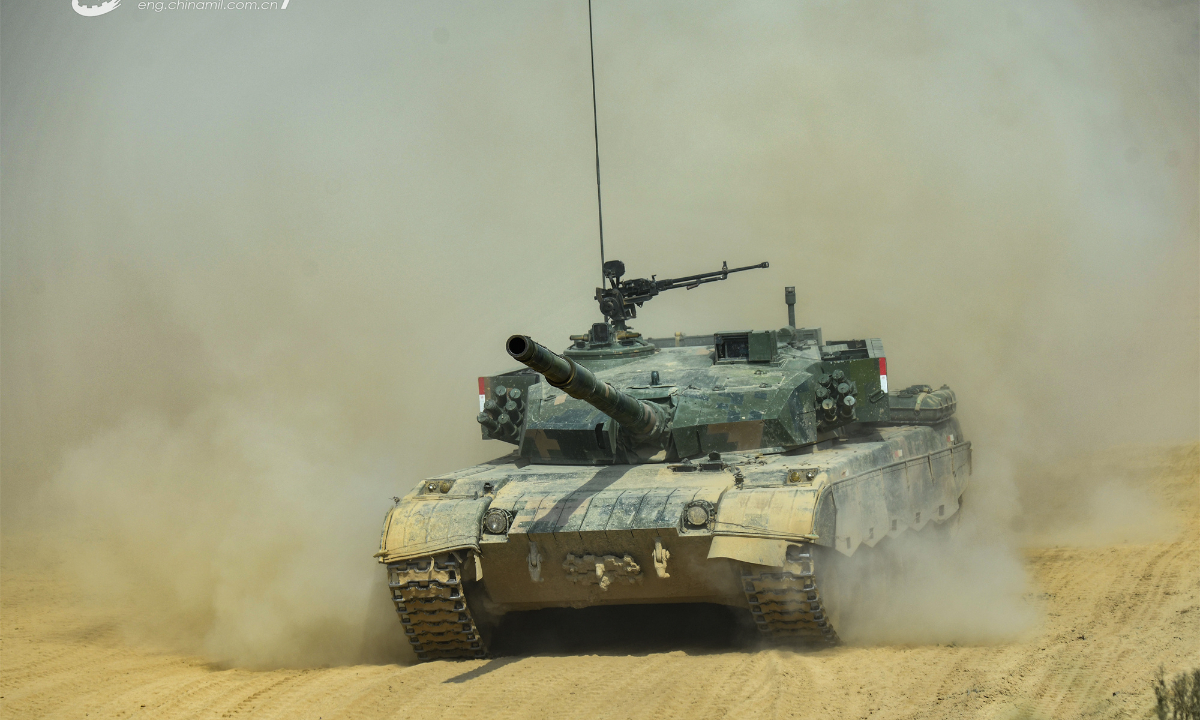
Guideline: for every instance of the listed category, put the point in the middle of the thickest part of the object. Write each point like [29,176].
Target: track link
[428,593]
[786,604]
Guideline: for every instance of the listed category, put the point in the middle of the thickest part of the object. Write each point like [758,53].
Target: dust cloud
[962,582]
[252,264]
[1112,496]
[964,590]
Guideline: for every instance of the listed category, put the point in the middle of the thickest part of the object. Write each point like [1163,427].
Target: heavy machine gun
[619,302]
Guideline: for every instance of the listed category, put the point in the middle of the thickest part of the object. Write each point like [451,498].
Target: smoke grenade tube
[637,416]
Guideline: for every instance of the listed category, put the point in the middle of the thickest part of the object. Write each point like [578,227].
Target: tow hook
[661,554]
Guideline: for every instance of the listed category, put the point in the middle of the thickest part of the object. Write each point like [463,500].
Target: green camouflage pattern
[717,407]
[840,493]
[596,514]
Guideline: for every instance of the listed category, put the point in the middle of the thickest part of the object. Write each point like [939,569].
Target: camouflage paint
[841,493]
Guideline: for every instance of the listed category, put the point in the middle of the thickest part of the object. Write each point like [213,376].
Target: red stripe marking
[482,390]
[882,366]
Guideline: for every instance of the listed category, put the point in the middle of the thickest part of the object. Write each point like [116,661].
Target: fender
[844,509]
[426,525]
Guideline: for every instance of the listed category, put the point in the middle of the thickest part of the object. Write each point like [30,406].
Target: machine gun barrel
[692,281]
[620,301]
[644,419]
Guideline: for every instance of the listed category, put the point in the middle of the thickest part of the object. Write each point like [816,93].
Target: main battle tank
[739,468]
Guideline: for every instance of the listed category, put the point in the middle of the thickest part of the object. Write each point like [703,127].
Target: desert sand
[1109,615]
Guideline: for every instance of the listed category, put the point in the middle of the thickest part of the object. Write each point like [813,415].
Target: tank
[741,468]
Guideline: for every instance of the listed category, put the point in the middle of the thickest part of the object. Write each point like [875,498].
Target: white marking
[883,383]
[94,10]
[482,400]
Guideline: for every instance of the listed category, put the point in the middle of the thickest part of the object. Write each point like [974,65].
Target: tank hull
[619,534]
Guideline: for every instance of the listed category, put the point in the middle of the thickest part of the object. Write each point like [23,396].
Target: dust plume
[960,583]
[252,263]
[1111,496]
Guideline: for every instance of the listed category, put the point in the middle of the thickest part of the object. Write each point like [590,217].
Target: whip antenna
[596,134]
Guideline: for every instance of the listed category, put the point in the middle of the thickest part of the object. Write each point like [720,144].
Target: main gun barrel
[645,419]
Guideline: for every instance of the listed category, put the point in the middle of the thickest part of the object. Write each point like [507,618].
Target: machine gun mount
[619,302]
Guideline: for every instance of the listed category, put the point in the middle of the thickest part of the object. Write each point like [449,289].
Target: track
[786,605]
[431,600]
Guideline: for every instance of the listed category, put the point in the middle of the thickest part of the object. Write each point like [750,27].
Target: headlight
[495,522]
[697,516]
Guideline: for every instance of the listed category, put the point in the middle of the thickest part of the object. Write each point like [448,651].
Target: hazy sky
[252,258]
[357,204]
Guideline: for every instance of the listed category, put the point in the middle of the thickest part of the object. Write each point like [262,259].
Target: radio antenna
[596,134]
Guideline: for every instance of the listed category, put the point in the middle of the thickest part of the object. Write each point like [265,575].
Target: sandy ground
[1109,616]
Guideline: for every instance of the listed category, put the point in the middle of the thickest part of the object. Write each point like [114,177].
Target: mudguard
[429,525]
[854,497]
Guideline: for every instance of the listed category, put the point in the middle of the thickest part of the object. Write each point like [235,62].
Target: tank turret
[614,397]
